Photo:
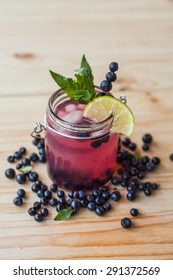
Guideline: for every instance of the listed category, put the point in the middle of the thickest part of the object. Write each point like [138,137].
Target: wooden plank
[36,36]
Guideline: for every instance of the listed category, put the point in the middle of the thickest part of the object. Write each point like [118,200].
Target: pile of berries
[133,169]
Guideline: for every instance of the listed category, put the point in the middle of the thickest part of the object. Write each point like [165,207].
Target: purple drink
[80,154]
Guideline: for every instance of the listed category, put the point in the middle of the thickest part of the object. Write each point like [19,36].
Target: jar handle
[38,128]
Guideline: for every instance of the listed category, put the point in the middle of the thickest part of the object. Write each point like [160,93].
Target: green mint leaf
[26,169]
[137,156]
[80,89]
[64,214]
[68,85]
[82,96]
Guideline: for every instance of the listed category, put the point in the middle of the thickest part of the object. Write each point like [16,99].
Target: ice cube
[61,114]
[73,117]
[81,106]
[70,107]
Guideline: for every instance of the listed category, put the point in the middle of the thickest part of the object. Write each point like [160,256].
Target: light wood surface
[39,35]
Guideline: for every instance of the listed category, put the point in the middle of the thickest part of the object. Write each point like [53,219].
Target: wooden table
[36,36]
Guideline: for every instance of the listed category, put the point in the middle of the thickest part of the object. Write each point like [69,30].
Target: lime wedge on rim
[100,108]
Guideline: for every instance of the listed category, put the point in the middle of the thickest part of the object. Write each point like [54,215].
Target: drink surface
[85,161]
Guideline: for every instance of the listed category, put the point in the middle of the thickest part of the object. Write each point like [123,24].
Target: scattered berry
[126,223]
[38,217]
[18,201]
[147,138]
[10,173]
[21,179]
[21,193]
[134,212]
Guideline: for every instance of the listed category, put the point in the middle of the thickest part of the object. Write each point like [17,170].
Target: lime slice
[100,108]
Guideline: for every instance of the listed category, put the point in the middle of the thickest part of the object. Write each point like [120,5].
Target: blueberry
[154,186]
[48,194]
[18,201]
[44,200]
[111,76]
[10,173]
[33,176]
[40,193]
[150,167]
[107,206]
[132,146]
[35,188]
[106,195]
[124,184]
[113,66]
[17,155]
[36,140]
[62,200]
[37,205]
[131,195]
[81,194]
[71,194]
[53,202]
[145,147]
[11,159]
[21,179]
[33,157]
[59,207]
[147,191]
[134,212]
[120,171]
[155,160]
[68,202]
[42,158]
[100,211]
[99,200]
[26,162]
[126,141]
[115,196]
[101,94]
[126,223]
[61,193]
[75,205]
[22,150]
[84,203]
[141,186]
[90,198]
[38,217]
[41,145]
[106,85]
[147,138]
[141,175]
[53,187]
[171,157]
[105,189]
[43,187]
[32,211]
[18,166]
[44,212]
[41,152]
[145,160]
[115,180]
[96,144]
[21,192]
[125,176]
[91,206]
[96,192]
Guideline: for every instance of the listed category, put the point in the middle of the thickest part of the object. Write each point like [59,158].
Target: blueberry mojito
[83,123]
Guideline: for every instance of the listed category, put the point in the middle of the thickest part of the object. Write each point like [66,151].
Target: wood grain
[36,36]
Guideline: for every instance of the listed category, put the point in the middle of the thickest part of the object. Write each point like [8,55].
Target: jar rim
[92,127]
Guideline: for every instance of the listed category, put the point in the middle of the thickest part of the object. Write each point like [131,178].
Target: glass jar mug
[80,154]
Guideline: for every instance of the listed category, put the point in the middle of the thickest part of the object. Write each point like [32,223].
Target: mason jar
[81,155]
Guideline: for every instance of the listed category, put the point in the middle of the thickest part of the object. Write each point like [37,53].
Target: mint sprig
[81,88]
